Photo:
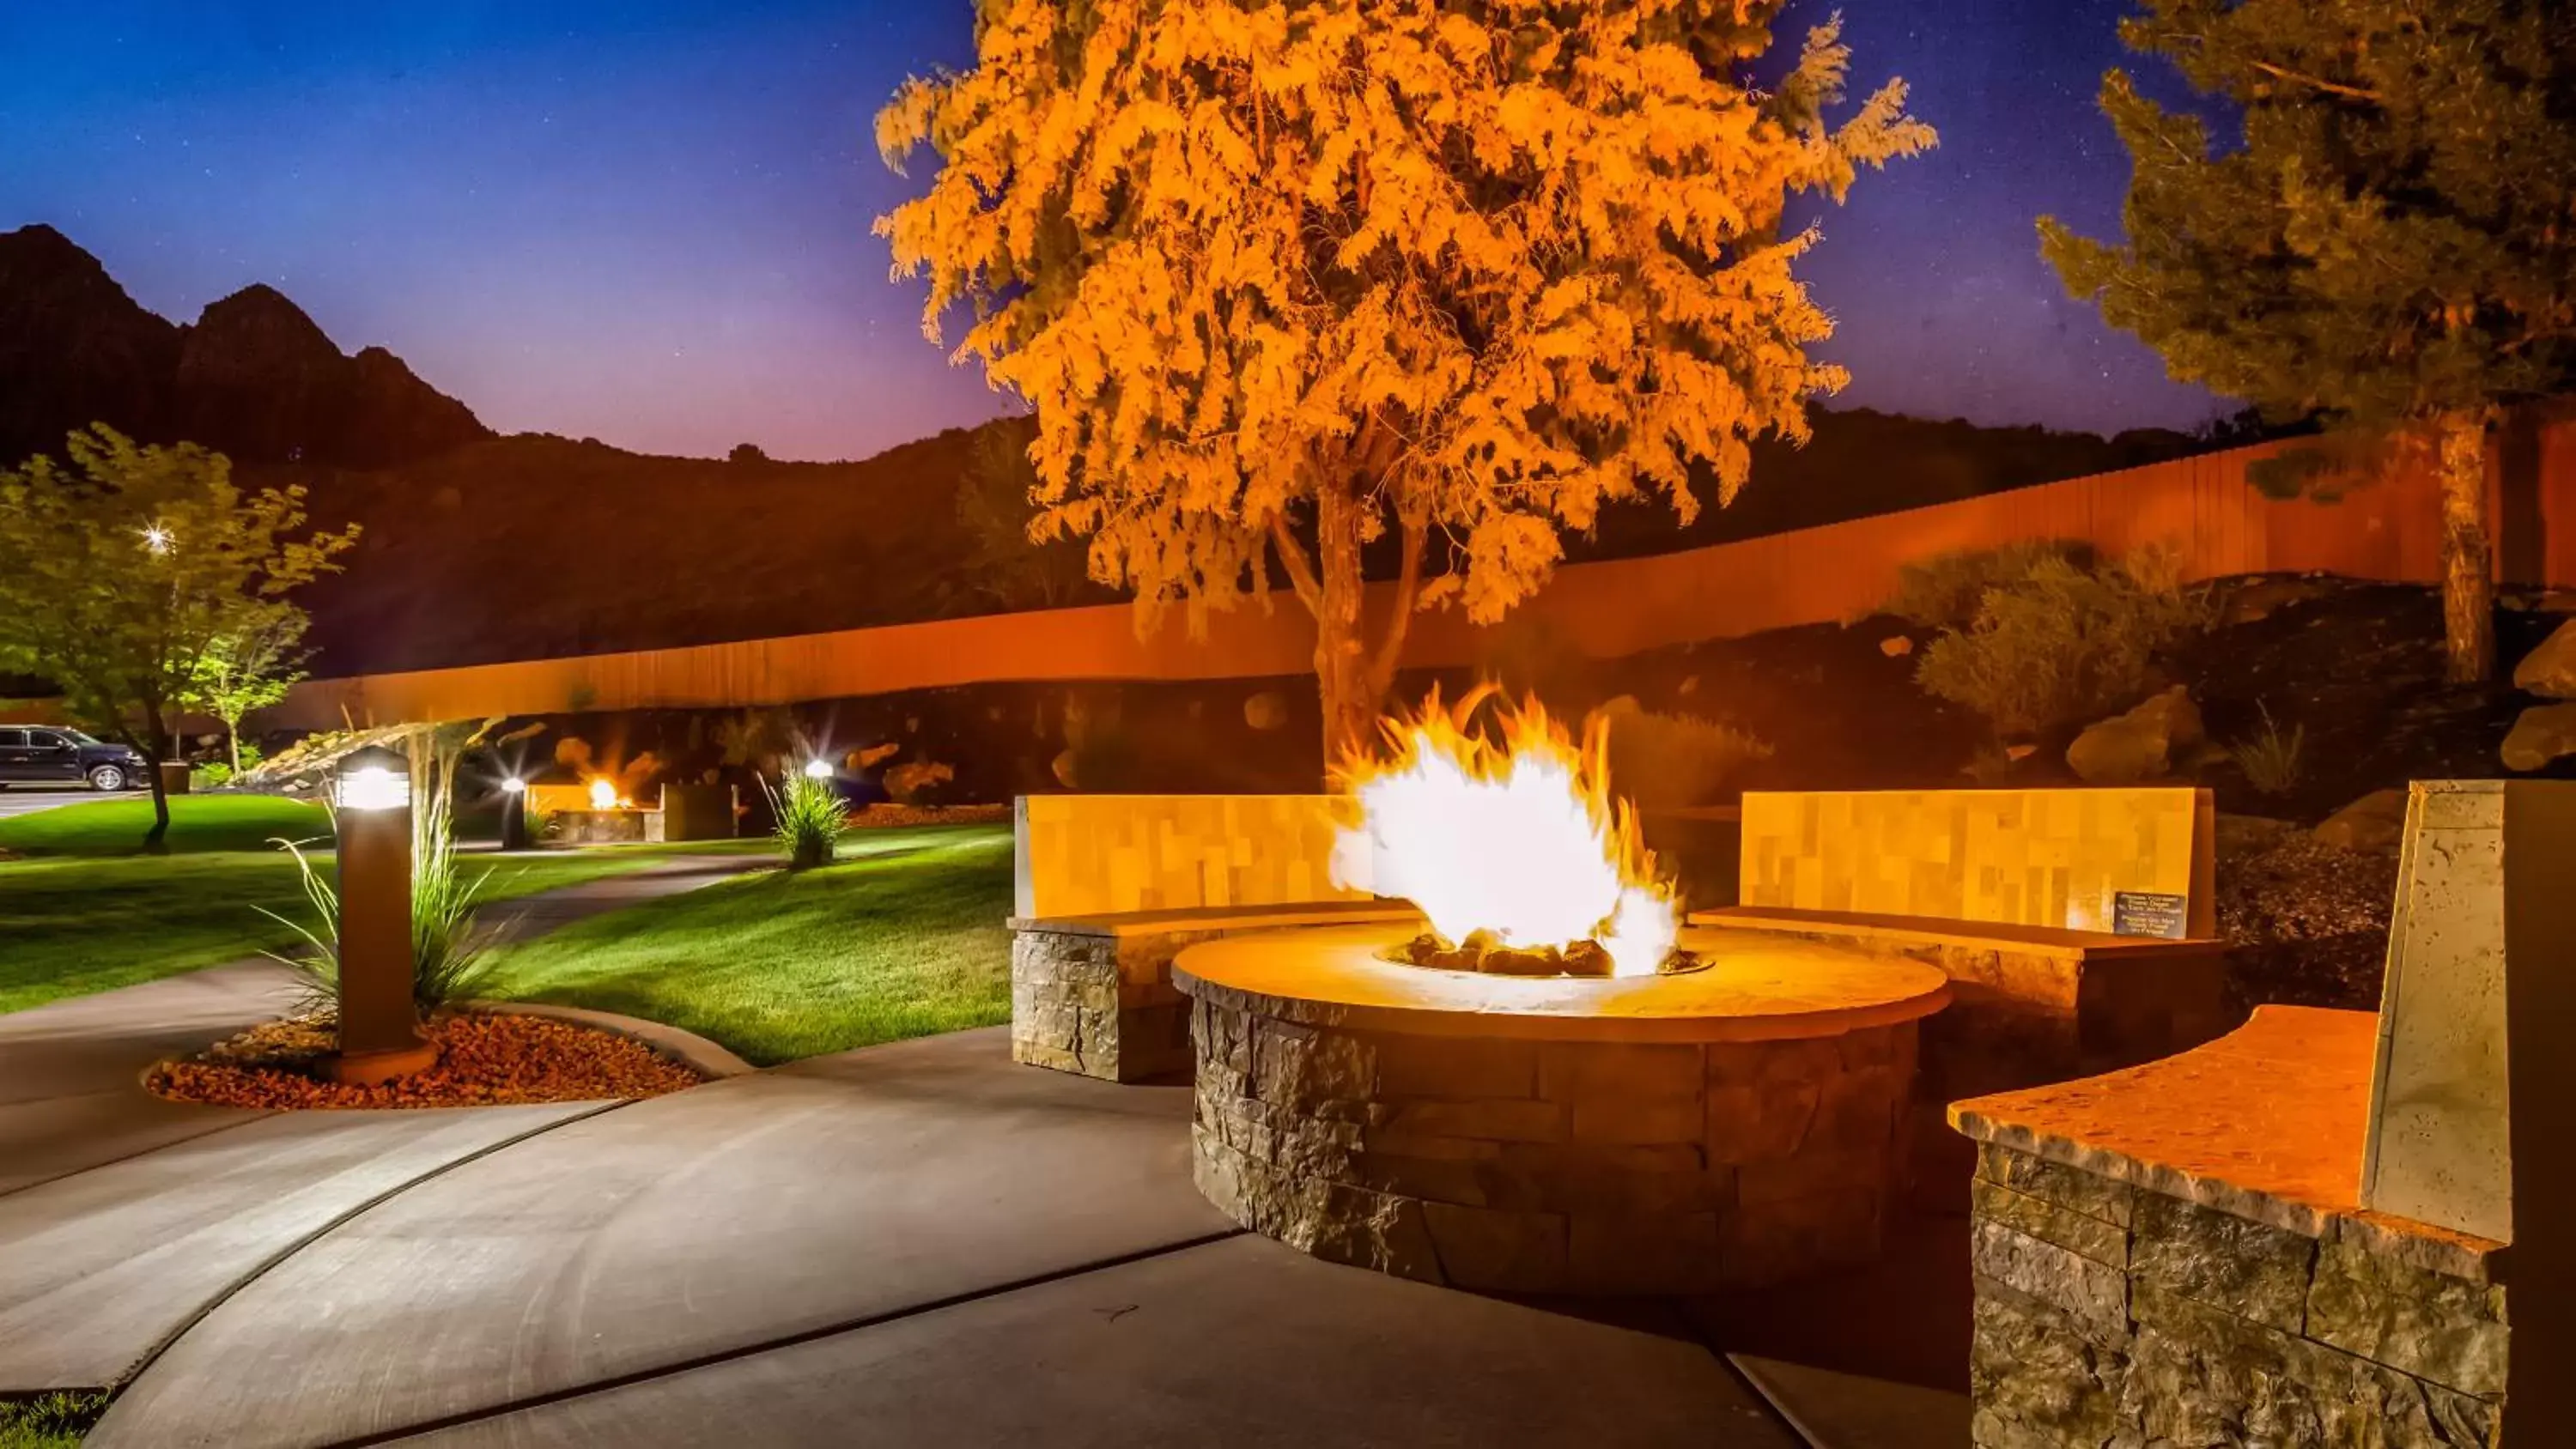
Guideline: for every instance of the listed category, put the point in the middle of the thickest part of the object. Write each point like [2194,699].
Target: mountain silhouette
[253,377]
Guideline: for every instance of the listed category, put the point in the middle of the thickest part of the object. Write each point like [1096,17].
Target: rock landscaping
[483,1060]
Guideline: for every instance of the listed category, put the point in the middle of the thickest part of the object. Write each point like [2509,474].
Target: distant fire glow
[1516,836]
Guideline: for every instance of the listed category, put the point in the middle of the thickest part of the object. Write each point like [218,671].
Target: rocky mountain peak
[254,376]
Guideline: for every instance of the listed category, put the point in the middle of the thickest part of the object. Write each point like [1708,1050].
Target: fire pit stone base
[1540,1166]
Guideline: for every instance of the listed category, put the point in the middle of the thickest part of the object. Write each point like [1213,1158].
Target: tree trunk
[232,743]
[1342,664]
[2468,560]
[157,734]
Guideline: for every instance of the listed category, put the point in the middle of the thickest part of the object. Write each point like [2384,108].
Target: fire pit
[1660,1134]
[1555,1090]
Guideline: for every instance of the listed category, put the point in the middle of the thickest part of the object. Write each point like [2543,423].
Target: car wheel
[107,777]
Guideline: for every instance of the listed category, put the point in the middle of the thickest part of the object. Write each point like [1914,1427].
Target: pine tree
[1281,279]
[2390,250]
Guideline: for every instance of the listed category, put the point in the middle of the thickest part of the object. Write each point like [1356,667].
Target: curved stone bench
[2030,1004]
[1093,994]
[2175,1253]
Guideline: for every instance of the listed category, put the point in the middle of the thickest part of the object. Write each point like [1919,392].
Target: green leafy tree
[122,572]
[2391,249]
[248,670]
[1284,277]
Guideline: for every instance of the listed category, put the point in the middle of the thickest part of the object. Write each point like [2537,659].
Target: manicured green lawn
[197,823]
[97,916]
[902,938]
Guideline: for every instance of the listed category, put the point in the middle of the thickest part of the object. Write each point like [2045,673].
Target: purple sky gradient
[648,222]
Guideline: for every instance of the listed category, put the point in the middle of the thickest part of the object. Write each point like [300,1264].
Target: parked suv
[53,755]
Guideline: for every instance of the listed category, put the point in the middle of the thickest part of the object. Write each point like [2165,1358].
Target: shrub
[2060,642]
[2272,761]
[810,815]
[1945,590]
[1673,761]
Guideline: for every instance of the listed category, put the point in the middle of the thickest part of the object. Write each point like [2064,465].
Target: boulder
[2139,745]
[2372,825]
[2550,670]
[2545,732]
[1266,711]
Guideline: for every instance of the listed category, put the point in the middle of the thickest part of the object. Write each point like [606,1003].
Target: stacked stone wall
[2109,1314]
[1551,1166]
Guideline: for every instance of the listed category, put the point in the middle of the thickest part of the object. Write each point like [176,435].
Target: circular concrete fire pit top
[1751,990]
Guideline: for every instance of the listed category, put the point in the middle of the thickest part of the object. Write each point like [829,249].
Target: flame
[1517,837]
[603,794]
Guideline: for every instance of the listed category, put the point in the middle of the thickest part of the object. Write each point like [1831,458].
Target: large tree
[2390,247]
[1284,278]
[120,573]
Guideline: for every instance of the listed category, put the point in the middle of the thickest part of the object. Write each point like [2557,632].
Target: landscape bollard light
[818,769]
[514,814]
[379,1033]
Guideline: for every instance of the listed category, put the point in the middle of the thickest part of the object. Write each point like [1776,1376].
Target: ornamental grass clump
[2272,758]
[810,816]
[451,953]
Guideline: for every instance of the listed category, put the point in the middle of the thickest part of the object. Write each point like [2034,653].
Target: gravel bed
[483,1060]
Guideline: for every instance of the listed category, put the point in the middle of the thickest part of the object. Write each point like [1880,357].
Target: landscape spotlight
[818,769]
[374,778]
[379,1033]
[514,813]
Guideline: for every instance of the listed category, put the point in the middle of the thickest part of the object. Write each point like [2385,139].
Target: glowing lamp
[379,1034]
[374,778]
[514,813]
[603,795]
[818,769]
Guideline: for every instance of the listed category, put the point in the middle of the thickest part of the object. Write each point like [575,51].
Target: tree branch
[1408,597]
[1292,557]
[2338,88]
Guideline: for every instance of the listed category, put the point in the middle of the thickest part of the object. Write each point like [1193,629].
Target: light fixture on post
[514,814]
[379,1032]
[818,768]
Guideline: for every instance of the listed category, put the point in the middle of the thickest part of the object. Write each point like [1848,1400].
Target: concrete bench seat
[2029,1004]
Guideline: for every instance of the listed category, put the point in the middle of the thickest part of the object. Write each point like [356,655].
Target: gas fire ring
[1673,1134]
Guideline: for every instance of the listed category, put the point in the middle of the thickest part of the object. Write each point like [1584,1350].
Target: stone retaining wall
[2112,1314]
[1551,1166]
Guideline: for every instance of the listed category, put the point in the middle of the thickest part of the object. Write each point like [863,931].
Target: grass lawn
[95,916]
[197,823]
[902,937]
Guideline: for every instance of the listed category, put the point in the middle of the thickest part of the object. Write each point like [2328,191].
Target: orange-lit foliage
[1281,278]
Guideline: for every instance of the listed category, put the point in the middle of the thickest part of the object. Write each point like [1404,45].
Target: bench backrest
[2134,861]
[1089,855]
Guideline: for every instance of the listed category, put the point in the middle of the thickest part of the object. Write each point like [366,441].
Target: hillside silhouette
[479,547]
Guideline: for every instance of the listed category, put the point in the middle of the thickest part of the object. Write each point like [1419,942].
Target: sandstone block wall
[2115,1315]
[2054,858]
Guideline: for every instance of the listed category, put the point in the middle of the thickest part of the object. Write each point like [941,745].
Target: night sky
[647,221]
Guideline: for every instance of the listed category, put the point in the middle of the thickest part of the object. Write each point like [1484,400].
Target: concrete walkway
[912,1244]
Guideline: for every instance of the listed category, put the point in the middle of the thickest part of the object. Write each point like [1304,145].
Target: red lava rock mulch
[881,815]
[483,1061]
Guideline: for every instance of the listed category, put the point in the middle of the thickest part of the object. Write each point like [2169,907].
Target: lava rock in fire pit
[1482,953]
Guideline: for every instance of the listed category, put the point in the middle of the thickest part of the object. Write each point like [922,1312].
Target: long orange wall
[2201,506]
